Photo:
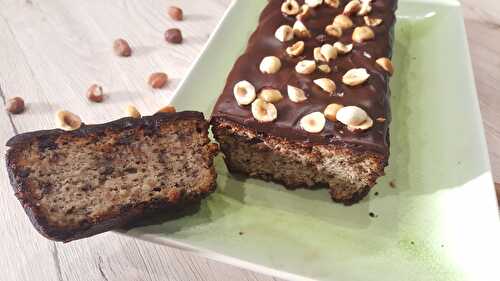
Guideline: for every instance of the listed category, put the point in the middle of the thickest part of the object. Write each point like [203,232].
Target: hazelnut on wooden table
[158,80]
[122,48]
[173,35]
[95,93]
[167,109]
[175,13]
[68,121]
[132,111]
[15,105]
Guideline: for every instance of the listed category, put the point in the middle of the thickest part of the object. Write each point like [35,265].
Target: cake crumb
[241,233]
[376,194]
[373,215]
[392,184]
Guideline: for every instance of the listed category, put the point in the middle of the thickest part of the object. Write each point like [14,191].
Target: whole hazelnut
[173,35]
[95,93]
[15,105]
[122,48]
[175,13]
[158,80]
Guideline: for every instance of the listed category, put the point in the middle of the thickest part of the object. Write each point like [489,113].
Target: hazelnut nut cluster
[294,37]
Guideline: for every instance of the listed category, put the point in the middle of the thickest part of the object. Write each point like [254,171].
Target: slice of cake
[100,177]
[308,102]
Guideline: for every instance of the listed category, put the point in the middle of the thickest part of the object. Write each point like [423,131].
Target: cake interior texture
[347,173]
[72,182]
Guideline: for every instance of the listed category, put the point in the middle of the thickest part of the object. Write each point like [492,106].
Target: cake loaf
[308,102]
[84,182]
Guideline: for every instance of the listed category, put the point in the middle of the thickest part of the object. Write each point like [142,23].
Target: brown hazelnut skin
[175,13]
[174,36]
[15,105]
[122,48]
[158,80]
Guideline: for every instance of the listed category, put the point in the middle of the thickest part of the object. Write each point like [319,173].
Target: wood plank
[482,19]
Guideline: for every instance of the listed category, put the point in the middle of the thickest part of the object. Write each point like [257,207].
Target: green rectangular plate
[439,221]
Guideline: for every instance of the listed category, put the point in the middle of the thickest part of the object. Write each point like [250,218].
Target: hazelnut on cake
[308,102]
[90,179]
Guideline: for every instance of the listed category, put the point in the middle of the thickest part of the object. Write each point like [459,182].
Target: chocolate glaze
[372,96]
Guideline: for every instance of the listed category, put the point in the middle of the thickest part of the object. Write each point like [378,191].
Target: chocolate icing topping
[372,96]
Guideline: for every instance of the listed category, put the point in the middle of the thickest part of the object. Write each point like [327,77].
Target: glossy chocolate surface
[372,96]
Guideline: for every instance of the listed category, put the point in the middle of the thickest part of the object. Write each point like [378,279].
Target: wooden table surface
[52,50]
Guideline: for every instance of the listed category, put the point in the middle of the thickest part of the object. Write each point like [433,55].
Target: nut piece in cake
[305,67]
[333,30]
[331,111]
[270,65]
[264,111]
[284,33]
[352,7]
[333,3]
[270,95]
[295,94]
[314,3]
[296,49]
[372,21]
[244,92]
[300,30]
[386,64]
[362,34]
[343,49]
[355,77]
[313,122]
[326,85]
[343,21]
[354,118]
[290,7]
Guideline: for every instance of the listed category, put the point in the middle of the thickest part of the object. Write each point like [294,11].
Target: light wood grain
[482,19]
[52,50]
